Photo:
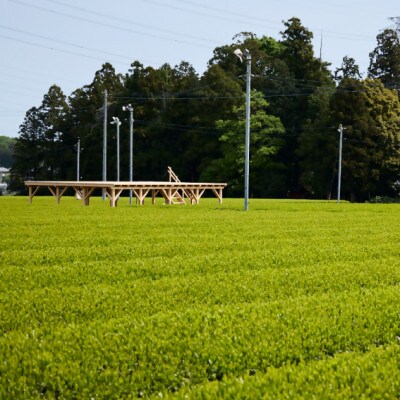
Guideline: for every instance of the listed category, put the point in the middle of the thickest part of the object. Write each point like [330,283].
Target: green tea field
[291,300]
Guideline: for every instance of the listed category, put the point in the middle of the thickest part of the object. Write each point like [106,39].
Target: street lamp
[104,142]
[78,158]
[246,54]
[130,109]
[117,123]
[340,130]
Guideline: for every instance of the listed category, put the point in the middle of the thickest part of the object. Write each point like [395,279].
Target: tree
[85,121]
[265,140]
[54,110]
[306,73]
[371,150]
[348,69]
[318,146]
[385,59]
[28,151]
[37,153]
[164,117]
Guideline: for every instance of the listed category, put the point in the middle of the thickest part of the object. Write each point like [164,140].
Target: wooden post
[112,197]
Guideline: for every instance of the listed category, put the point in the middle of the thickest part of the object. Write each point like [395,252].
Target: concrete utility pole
[340,130]
[246,54]
[78,156]
[130,109]
[247,141]
[117,123]
[105,142]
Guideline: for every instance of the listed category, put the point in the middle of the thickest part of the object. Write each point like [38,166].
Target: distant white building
[3,172]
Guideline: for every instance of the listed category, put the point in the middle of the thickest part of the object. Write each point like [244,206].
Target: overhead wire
[244,18]
[252,18]
[31,34]
[210,130]
[158,3]
[120,28]
[53,48]
[128,21]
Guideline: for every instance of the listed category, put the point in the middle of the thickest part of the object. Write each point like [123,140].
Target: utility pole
[78,156]
[247,140]
[246,54]
[105,143]
[130,109]
[340,130]
[117,123]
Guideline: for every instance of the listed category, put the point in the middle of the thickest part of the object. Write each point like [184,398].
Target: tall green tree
[165,109]
[265,140]
[28,151]
[317,147]
[318,141]
[54,110]
[385,59]
[371,150]
[85,121]
[348,69]
[307,73]
[38,150]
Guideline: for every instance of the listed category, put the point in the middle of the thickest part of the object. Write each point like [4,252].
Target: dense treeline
[196,123]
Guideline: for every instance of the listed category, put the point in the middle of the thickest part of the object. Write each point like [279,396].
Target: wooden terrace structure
[172,192]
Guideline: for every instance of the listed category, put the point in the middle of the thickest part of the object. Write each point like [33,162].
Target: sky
[64,42]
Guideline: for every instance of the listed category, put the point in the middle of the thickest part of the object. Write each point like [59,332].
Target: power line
[91,21]
[62,42]
[127,21]
[225,12]
[54,48]
[339,35]
[157,3]
[23,72]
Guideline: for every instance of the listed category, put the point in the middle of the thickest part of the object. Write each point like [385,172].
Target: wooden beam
[32,191]
[154,193]
[113,194]
[52,191]
[167,194]
[86,193]
[218,193]
[59,192]
[141,194]
[197,193]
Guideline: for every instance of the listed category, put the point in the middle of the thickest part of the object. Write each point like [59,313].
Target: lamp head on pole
[127,108]
[241,55]
[115,121]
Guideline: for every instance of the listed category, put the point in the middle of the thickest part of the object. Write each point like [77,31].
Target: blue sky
[63,42]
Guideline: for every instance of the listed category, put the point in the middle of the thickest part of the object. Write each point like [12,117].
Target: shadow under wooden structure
[173,192]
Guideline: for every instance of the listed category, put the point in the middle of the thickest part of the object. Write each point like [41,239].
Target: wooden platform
[172,192]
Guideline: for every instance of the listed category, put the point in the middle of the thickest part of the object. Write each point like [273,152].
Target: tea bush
[292,299]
